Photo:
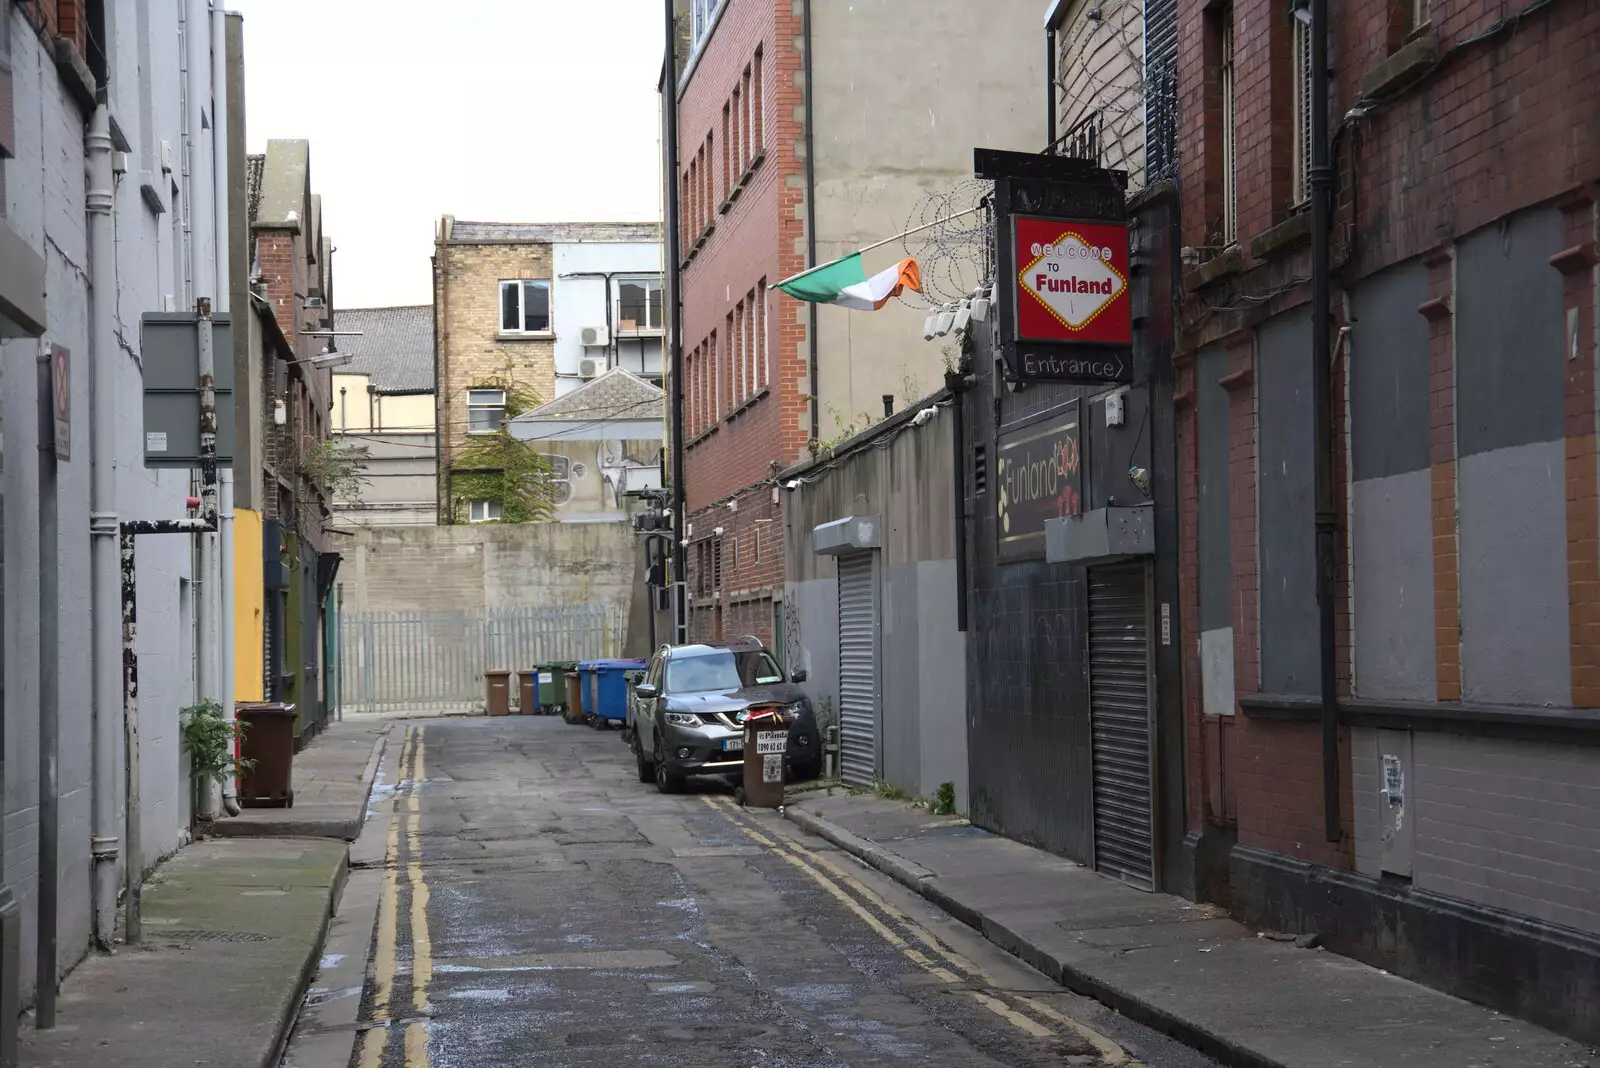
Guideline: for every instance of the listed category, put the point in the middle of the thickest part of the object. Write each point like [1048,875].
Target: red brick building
[742,227]
[1467,593]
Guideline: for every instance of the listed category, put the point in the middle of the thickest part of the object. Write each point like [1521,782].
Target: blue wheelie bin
[605,693]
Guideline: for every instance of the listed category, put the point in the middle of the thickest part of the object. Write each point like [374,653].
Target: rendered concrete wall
[489,565]
[908,487]
[900,101]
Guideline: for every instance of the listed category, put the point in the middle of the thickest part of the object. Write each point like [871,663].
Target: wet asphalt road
[540,906]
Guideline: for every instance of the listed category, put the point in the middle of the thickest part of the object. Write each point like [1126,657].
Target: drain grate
[216,936]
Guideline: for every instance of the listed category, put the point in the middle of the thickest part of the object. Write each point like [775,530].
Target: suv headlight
[683,719]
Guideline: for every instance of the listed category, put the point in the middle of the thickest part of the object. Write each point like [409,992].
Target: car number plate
[733,745]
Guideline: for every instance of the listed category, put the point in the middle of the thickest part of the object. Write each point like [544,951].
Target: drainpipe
[197,89]
[674,358]
[220,230]
[811,224]
[208,602]
[1321,175]
[103,844]
[1050,87]
[49,704]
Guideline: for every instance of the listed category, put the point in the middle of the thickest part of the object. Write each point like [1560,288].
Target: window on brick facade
[726,371]
[525,306]
[639,304]
[730,163]
[486,410]
[701,17]
[755,104]
[763,362]
[1300,190]
[483,511]
[1230,156]
[746,126]
[736,135]
[1421,14]
[716,563]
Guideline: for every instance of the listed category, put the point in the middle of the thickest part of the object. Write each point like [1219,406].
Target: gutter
[811,223]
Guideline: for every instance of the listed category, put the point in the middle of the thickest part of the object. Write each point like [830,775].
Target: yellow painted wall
[354,412]
[248,606]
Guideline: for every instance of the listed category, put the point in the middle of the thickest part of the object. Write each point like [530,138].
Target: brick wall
[1496,125]
[59,18]
[472,349]
[735,445]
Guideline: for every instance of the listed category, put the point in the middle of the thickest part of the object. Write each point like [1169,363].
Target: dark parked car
[690,709]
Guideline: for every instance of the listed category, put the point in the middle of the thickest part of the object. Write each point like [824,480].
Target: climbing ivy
[498,467]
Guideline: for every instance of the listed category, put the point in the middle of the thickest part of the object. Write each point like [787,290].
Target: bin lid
[615,665]
[554,665]
[501,672]
[269,708]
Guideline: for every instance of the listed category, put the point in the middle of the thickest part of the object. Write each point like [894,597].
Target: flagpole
[876,244]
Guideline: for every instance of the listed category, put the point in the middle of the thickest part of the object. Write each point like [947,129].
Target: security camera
[794,484]
[930,325]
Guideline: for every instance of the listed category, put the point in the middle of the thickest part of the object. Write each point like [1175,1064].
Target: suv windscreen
[721,669]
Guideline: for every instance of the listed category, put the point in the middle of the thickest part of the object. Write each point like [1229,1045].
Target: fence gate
[436,660]
[858,669]
[1119,713]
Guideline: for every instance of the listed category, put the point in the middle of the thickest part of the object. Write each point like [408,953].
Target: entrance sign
[1063,258]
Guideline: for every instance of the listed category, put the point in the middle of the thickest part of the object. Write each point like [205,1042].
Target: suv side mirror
[645,690]
[798,676]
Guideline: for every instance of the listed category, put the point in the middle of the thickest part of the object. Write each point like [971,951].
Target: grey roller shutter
[858,669]
[1119,710]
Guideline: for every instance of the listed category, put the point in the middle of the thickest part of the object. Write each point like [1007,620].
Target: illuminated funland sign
[1066,312]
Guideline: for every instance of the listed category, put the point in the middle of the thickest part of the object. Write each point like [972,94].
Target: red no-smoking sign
[1072,281]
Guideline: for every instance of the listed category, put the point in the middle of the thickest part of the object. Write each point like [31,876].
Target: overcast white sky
[512,110]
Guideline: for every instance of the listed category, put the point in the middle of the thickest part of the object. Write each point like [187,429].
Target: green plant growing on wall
[498,467]
[844,431]
[943,802]
[338,466]
[208,738]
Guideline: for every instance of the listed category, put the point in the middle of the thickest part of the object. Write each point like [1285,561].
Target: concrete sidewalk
[332,783]
[233,933]
[1182,968]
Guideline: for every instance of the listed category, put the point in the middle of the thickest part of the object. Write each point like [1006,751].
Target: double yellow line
[413,769]
[922,948]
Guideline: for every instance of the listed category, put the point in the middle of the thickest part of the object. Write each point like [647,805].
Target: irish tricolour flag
[845,283]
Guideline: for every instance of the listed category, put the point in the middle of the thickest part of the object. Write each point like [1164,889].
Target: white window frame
[485,406]
[649,329]
[490,512]
[702,16]
[522,311]
[1300,190]
[1230,152]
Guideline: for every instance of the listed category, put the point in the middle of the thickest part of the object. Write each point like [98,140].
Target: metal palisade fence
[435,660]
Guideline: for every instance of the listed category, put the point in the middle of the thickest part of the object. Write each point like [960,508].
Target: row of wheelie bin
[587,691]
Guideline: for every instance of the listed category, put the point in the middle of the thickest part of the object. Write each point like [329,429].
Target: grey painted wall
[1511,493]
[922,739]
[1513,825]
[1391,499]
[1285,488]
[45,206]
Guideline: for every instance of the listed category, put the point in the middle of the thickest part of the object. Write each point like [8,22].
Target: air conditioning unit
[594,336]
[316,302]
[588,368]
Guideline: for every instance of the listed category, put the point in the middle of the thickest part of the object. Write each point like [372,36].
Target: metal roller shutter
[858,670]
[1119,710]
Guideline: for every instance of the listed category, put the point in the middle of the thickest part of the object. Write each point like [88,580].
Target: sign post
[1064,267]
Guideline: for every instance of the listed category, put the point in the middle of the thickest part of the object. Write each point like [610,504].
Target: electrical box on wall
[170,349]
[1116,409]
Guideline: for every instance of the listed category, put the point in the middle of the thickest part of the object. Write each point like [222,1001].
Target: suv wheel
[667,780]
[647,770]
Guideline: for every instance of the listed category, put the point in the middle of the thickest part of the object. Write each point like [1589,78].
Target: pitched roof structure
[617,394]
[395,348]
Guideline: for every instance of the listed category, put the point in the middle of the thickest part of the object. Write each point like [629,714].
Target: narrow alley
[536,904]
